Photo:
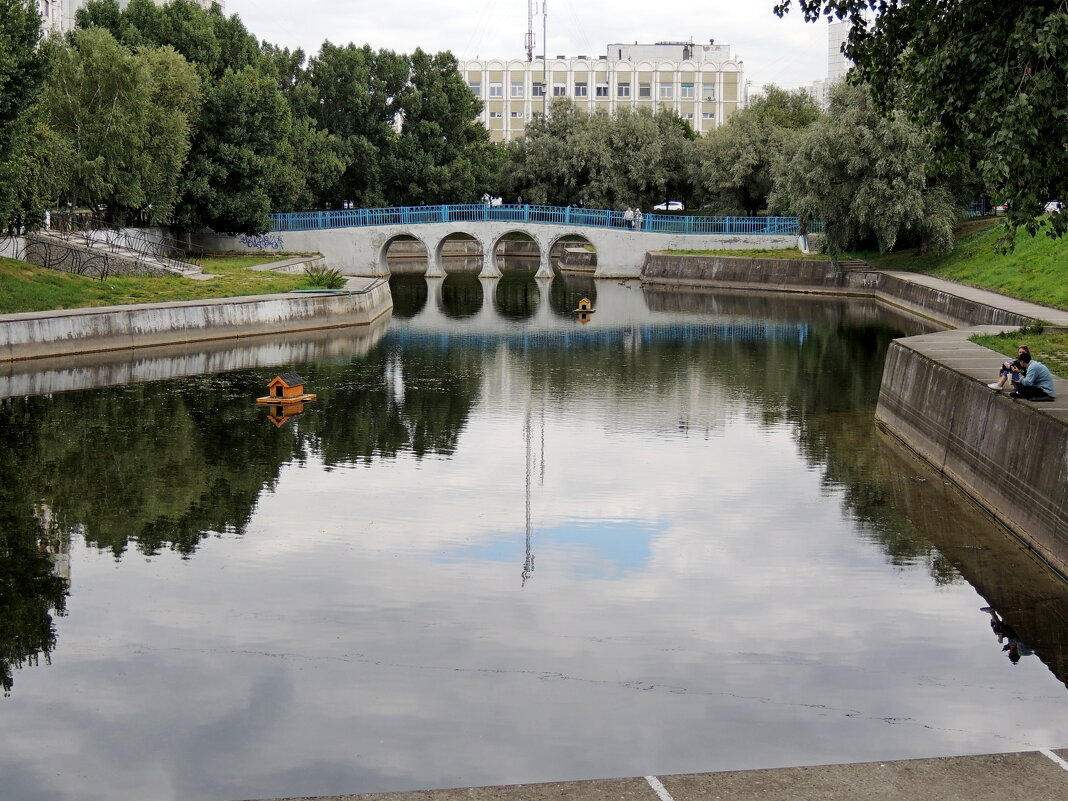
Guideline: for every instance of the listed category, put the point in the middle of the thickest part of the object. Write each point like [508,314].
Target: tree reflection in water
[163,465]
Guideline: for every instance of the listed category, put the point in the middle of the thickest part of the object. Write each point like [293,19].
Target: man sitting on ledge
[1037,382]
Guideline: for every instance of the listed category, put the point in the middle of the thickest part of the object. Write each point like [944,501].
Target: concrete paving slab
[997,777]
[1032,775]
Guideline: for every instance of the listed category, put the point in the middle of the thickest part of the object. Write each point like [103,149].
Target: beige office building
[704,84]
[58,15]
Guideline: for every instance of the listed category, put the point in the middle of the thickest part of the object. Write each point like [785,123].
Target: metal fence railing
[553,215]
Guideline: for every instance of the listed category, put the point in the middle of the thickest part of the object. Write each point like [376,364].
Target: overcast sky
[786,52]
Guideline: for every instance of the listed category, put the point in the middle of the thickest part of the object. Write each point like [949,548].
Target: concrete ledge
[994,777]
[54,333]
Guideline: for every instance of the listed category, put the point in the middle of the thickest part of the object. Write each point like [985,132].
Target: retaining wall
[1009,455]
[53,333]
[811,275]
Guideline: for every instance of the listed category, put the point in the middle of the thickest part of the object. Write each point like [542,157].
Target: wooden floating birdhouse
[286,388]
[585,307]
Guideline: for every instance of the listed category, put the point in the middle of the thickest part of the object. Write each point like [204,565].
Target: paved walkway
[1057,317]
[1029,776]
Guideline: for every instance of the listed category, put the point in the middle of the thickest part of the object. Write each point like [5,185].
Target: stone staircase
[100,253]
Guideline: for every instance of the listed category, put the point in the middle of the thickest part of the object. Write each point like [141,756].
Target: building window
[580,90]
[496,115]
[707,115]
[687,115]
[686,92]
[622,90]
[538,89]
[559,90]
[475,87]
[496,90]
[667,91]
[517,115]
[708,91]
[645,90]
[602,89]
[517,88]
[537,115]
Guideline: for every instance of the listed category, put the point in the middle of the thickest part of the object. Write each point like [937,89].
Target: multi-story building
[837,63]
[58,15]
[703,83]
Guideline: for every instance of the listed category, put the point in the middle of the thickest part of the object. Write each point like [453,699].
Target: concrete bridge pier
[544,312]
[490,268]
[545,265]
[434,265]
[431,312]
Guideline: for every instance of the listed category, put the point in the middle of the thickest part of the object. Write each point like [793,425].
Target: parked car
[1054,206]
[1004,207]
[671,205]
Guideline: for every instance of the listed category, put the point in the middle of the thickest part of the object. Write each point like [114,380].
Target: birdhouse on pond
[585,307]
[285,389]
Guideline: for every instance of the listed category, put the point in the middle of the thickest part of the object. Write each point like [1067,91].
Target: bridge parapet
[572,216]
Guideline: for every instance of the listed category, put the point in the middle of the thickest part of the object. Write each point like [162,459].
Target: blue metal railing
[554,215]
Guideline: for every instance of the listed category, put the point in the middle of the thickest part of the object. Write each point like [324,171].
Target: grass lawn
[25,287]
[1037,270]
[791,253]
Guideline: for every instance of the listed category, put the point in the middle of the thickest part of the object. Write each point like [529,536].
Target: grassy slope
[24,287]
[1037,270]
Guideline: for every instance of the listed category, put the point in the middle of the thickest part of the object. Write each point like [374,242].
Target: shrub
[324,277]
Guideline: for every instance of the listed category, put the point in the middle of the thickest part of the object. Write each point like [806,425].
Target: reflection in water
[409,295]
[517,295]
[461,295]
[678,519]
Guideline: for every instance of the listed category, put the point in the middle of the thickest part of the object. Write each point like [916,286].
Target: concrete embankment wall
[53,333]
[1011,456]
[811,275]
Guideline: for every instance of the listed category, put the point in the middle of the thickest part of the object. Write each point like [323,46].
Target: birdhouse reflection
[584,310]
[281,413]
[286,399]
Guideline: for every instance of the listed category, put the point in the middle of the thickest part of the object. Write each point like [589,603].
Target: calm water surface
[501,546]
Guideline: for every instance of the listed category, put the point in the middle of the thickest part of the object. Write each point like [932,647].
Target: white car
[671,205]
[1054,206]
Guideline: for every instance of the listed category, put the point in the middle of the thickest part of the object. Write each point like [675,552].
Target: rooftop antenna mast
[530,30]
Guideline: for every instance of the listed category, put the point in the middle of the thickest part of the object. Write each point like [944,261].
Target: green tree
[989,78]
[247,156]
[243,165]
[126,120]
[443,153]
[631,158]
[23,69]
[865,176]
[735,164]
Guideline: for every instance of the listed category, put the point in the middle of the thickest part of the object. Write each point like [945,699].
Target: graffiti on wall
[262,241]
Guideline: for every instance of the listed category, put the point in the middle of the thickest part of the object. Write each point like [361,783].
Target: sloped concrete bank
[1010,456]
[55,333]
[810,275]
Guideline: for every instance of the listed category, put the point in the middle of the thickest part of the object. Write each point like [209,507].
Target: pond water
[503,545]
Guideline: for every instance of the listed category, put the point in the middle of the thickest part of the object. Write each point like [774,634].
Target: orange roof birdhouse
[585,307]
[286,388]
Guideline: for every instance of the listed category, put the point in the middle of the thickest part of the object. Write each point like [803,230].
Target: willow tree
[987,78]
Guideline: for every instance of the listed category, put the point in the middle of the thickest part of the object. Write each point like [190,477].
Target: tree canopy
[865,176]
[987,78]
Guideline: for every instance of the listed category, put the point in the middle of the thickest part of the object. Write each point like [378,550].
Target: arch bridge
[357,241]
